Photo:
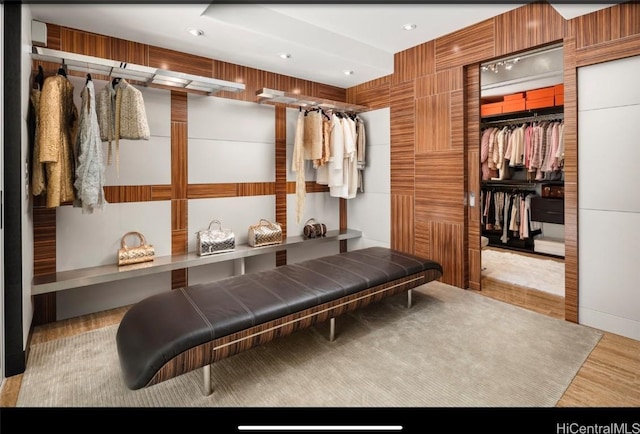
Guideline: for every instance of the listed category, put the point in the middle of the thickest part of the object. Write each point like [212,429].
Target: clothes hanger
[88,78]
[62,70]
[39,79]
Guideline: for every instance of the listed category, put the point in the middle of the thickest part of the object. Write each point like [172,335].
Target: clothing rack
[525,119]
[506,185]
[273,96]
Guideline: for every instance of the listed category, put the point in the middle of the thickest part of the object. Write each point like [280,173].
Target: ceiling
[323,40]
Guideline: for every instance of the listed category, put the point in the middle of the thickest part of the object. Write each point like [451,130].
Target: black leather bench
[175,332]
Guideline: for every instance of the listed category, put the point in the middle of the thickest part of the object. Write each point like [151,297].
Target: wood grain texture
[127,193]
[433,127]
[402,223]
[54,38]
[205,191]
[426,58]
[179,104]
[179,241]
[44,309]
[403,137]
[523,28]
[440,187]
[161,192]
[129,51]
[374,97]
[422,244]
[281,167]
[426,85]
[179,163]
[405,66]
[449,80]
[310,187]
[256,189]
[471,44]
[179,214]
[571,179]
[171,60]
[44,241]
[607,51]
[91,44]
[447,248]
[179,278]
[607,25]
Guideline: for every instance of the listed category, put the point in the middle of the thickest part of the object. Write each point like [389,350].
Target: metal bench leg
[408,298]
[332,329]
[206,370]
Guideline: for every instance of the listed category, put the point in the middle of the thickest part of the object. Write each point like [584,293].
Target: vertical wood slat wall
[438,82]
[433,83]
[179,192]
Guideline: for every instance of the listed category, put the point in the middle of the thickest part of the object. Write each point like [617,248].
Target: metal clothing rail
[296,100]
[522,120]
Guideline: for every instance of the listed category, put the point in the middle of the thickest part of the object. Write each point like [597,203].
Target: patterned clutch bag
[215,240]
[264,233]
[313,229]
[133,255]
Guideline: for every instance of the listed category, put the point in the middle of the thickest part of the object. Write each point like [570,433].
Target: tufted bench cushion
[174,332]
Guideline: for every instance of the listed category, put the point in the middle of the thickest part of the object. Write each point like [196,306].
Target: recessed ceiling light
[348,72]
[285,55]
[195,32]
[409,26]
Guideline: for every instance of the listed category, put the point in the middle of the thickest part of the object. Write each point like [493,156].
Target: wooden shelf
[111,272]
[272,96]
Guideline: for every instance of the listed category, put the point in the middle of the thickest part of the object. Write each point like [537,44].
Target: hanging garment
[38,169]
[336,134]
[297,166]
[313,135]
[57,127]
[121,115]
[90,167]
[361,142]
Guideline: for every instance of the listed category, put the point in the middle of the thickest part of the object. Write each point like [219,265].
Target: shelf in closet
[273,96]
[63,280]
[144,75]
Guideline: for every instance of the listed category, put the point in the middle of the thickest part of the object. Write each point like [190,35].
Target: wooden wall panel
[54,32]
[607,25]
[179,279]
[179,106]
[471,44]
[426,59]
[326,91]
[203,191]
[179,214]
[433,123]
[310,187]
[447,248]
[439,187]
[44,241]
[449,80]
[127,193]
[256,189]
[402,138]
[526,27]
[182,62]
[76,41]
[129,51]
[405,66]
[373,97]
[402,223]
[426,85]
[571,180]
[457,120]
[179,160]
[161,192]
[422,245]
[281,175]
[607,51]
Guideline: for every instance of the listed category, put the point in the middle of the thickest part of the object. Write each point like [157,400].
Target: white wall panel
[210,272]
[103,296]
[609,206]
[609,272]
[311,250]
[609,84]
[235,213]
[88,240]
[324,208]
[230,120]
[142,162]
[220,161]
[608,157]
[377,125]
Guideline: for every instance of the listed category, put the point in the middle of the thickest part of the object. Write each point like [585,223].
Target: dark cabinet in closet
[547,210]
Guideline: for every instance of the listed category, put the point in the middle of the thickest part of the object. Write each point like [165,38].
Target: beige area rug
[538,273]
[452,348]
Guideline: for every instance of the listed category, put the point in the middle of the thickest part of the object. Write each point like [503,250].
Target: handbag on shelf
[143,252]
[264,233]
[215,239]
[313,229]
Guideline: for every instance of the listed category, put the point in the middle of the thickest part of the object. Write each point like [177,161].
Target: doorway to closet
[522,178]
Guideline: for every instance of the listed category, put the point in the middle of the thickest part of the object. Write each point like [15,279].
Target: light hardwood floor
[610,377]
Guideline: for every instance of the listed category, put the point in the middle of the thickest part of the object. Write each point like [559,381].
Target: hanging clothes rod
[525,119]
[496,184]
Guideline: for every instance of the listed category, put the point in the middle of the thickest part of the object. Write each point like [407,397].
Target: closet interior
[522,154]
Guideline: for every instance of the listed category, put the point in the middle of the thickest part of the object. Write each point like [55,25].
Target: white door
[608,199]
